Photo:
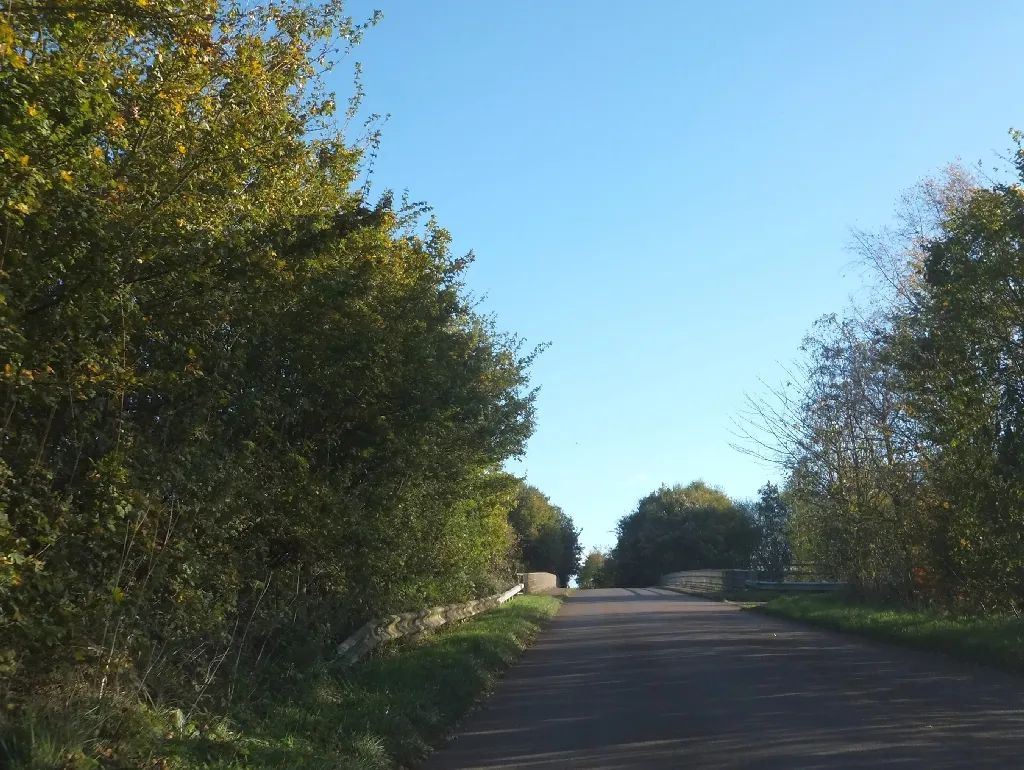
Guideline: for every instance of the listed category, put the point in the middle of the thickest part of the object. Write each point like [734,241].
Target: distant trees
[596,571]
[548,539]
[681,528]
[772,552]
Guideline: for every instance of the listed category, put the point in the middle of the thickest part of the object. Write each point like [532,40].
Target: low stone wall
[708,579]
[538,582]
[395,626]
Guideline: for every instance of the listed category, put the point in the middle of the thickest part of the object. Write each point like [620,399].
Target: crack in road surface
[643,678]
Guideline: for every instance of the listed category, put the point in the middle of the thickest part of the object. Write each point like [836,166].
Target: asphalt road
[641,678]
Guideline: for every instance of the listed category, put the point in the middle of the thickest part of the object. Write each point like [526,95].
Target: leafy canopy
[548,539]
[682,528]
[244,407]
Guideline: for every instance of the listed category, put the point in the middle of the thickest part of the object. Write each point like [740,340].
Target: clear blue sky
[665,190]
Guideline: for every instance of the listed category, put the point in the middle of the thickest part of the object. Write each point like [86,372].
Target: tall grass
[384,713]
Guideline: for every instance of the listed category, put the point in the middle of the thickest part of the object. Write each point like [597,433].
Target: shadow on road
[598,596]
[637,679]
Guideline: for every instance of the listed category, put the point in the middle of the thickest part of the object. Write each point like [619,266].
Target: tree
[853,455]
[961,352]
[901,433]
[860,487]
[596,570]
[773,553]
[548,539]
[682,528]
[243,404]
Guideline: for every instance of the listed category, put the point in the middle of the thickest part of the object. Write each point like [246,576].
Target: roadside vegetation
[993,639]
[898,434]
[548,539]
[245,404]
[901,429]
[385,713]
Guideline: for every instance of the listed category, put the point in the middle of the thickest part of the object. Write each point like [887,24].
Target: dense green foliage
[681,528]
[244,408]
[597,571]
[772,551]
[904,440]
[961,353]
[548,539]
[995,640]
[383,714]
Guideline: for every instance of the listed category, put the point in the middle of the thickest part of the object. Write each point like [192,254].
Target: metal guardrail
[707,579]
[390,627]
[724,580]
[790,585]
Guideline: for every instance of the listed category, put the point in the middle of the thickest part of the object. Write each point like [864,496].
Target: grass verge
[996,640]
[384,713]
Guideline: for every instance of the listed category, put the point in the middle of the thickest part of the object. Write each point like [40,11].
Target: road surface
[643,678]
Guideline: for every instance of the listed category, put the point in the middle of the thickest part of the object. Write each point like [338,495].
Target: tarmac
[646,678]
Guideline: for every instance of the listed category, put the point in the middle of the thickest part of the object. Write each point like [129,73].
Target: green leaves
[773,553]
[241,403]
[904,442]
[681,528]
[548,539]
[961,352]
[598,571]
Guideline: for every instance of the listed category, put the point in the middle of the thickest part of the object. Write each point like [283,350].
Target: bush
[244,408]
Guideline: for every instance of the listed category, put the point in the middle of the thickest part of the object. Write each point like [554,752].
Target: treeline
[900,430]
[548,539]
[243,408]
[902,433]
[693,527]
